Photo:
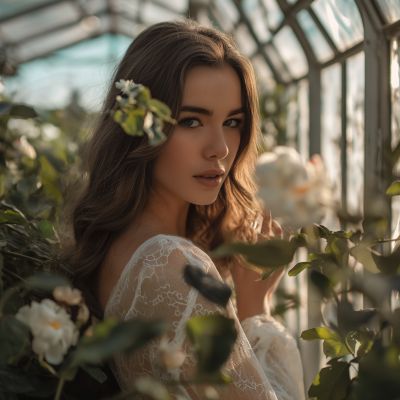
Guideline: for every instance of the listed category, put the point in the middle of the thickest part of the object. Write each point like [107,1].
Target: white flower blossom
[66,294]
[128,87]
[24,147]
[170,357]
[52,329]
[297,193]
[83,313]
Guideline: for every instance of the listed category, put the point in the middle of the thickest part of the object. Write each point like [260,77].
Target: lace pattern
[152,286]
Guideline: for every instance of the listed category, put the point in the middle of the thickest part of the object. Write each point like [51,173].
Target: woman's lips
[209,182]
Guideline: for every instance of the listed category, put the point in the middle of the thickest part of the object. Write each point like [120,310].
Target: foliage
[366,340]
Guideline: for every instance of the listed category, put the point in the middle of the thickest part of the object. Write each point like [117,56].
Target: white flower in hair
[52,329]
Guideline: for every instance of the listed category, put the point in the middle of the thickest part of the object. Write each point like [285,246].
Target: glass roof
[265,31]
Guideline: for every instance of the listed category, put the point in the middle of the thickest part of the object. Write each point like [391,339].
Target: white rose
[297,193]
[52,329]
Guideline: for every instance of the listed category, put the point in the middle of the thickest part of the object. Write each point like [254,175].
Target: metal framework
[375,44]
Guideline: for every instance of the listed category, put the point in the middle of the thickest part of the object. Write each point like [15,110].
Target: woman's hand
[254,297]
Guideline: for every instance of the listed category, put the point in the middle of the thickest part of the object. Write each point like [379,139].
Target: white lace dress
[265,362]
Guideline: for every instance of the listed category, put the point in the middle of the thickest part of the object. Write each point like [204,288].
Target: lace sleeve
[278,355]
[152,286]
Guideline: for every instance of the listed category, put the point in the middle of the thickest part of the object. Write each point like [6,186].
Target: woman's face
[206,138]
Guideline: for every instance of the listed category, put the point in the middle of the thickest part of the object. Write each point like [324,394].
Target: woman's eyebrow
[208,112]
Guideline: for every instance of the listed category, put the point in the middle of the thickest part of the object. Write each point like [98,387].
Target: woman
[146,212]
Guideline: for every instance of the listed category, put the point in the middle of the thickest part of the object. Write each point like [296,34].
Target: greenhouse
[328,84]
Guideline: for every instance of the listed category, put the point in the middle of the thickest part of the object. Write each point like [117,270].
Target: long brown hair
[117,168]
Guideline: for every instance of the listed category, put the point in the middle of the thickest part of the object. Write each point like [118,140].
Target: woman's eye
[190,123]
[233,123]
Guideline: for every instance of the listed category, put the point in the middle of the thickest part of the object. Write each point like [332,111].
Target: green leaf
[52,191]
[213,337]
[356,237]
[47,282]
[333,345]
[339,248]
[211,288]
[46,227]
[364,256]
[302,266]
[12,217]
[133,124]
[112,336]
[350,320]
[322,283]
[390,264]
[332,382]
[161,110]
[366,338]
[312,231]
[374,227]
[300,240]
[12,337]
[48,173]
[317,334]
[273,253]
[393,189]
[94,372]
[19,110]
[268,273]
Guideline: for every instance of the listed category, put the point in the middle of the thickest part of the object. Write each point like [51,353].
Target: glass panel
[395,95]
[8,8]
[228,9]
[31,49]
[257,16]
[331,134]
[274,13]
[39,21]
[246,43]
[266,80]
[355,132]
[291,52]
[152,14]
[320,47]
[277,63]
[341,20]
[93,7]
[390,9]
[85,67]
[127,7]
[179,6]
[127,27]
[203,17]
[221,19]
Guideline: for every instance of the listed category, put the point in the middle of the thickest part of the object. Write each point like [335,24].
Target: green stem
[14,275]
[11,253]
[59,389]
[348,347]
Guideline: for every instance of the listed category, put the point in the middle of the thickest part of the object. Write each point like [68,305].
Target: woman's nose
[216,146]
